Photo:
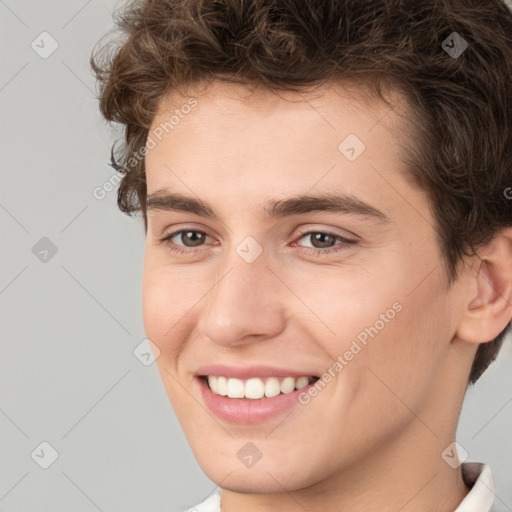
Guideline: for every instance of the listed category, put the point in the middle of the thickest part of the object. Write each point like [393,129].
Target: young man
[326,193]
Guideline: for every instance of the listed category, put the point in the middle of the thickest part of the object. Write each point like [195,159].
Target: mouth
[249,395]
[254,400]
[256,388]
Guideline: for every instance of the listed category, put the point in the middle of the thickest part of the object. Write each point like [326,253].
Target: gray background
[71,320]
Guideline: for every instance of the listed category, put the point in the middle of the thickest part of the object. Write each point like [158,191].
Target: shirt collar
[478,477]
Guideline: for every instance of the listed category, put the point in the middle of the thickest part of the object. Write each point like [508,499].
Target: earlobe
[489,310]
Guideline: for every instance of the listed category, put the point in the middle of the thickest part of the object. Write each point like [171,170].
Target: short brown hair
[462,104]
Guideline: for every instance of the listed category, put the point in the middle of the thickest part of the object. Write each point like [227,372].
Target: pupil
[319,236]
[194,236]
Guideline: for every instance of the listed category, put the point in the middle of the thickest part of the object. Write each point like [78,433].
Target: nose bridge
[244,300]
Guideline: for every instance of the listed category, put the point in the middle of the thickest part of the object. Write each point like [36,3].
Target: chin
[270,477]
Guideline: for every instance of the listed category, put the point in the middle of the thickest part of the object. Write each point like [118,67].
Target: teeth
[287,385]
[235,388]
[302,382]
[272,387]
[222,386]
[256,388]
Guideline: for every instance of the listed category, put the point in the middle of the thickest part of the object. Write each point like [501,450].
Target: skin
[372,438]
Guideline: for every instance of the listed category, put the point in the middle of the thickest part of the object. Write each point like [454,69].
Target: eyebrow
[274,209]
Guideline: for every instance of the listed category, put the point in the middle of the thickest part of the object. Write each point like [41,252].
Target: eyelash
[311,251]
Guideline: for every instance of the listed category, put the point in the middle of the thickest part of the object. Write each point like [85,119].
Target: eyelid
[301,233]
[343,241]
[343,244]
[165,239]
[179,228]
[343,233]
[346,235]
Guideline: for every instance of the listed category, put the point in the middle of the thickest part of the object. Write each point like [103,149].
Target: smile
[256,388]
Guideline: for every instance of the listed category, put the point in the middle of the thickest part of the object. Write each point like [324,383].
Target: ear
[488,310]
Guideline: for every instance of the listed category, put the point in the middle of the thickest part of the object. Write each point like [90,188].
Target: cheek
[391,346]
[154,304]
[168,295]
[383,322]
[343,305]
[402,359]
[165,304]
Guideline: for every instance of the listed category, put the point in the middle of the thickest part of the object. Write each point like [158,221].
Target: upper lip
[248,372]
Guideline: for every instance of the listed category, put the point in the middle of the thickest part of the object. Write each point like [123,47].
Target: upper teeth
[255,388]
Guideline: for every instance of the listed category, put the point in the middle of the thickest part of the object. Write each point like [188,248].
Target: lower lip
[247,411]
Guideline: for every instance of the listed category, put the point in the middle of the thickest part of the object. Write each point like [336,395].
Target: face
[252,282]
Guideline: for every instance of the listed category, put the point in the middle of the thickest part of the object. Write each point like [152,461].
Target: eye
[323,242]
[190,238]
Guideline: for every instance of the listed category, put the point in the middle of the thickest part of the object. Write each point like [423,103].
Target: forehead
[335,138]
[220,113]
[230,100]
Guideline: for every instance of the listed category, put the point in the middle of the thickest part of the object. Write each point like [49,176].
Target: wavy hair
[461,103]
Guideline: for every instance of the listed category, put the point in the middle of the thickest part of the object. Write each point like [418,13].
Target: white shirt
[476,476]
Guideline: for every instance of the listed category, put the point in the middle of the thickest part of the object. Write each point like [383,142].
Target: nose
[245,305]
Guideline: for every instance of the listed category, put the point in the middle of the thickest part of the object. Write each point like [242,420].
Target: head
[236,115]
